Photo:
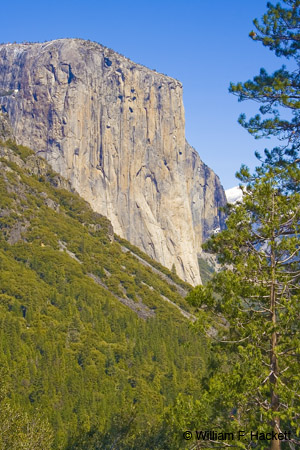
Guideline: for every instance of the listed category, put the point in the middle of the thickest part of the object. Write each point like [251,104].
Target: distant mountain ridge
[116,130]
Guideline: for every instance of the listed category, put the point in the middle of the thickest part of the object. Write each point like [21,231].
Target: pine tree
[279,30]
[255,305]
[250,309]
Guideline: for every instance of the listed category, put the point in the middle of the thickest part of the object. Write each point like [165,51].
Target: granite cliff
[116,130]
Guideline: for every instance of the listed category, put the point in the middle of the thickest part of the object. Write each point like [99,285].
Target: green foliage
[17,429]
[20,150]
[206,270]
[279,31]
[169,273]
[73,351]
[124,434]
[251,309]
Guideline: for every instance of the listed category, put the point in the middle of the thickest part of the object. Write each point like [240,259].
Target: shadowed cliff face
[115,129]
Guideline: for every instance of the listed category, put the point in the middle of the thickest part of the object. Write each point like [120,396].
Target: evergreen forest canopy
[95,344]
[97,347]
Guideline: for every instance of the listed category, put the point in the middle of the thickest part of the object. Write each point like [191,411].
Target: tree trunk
[275,444]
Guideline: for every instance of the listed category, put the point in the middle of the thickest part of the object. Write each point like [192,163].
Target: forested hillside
[90,339]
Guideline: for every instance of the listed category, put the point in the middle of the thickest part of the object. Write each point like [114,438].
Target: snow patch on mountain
[234,194]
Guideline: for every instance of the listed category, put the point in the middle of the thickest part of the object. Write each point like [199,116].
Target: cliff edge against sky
[116,130]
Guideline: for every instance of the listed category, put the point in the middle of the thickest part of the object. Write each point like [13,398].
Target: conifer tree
[250,309]
[278,93]
[255,305]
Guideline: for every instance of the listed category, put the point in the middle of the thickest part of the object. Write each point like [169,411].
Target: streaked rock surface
[116,130]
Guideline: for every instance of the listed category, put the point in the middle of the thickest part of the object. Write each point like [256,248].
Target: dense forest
[90,339]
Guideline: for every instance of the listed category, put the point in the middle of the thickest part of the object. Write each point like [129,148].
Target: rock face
[115,129]
[5,128]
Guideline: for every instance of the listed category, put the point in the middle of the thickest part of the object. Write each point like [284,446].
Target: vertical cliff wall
[116,130]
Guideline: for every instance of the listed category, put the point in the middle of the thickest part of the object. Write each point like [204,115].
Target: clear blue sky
[202,43]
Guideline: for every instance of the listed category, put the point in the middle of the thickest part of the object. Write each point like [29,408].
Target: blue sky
[202,43]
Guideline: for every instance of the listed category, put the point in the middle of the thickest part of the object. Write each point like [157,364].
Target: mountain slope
[89,331]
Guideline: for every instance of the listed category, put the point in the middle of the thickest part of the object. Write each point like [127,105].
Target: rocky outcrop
[5,127]
[115,129]
[206,197]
